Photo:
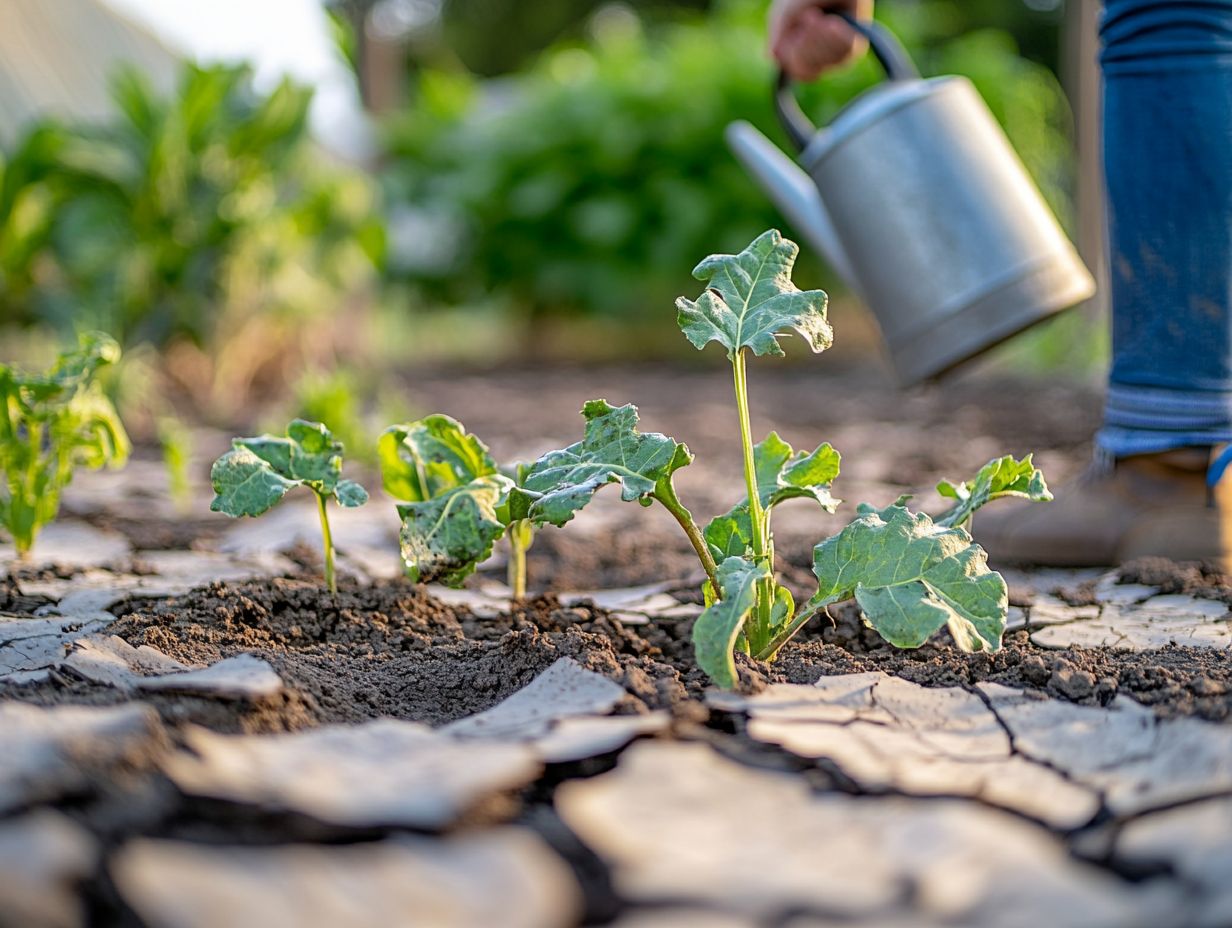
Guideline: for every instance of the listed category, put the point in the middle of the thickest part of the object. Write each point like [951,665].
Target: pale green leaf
[784,473]
[245,484]
[716,630]
[445,538]
[258,471]
[1000,477]
[911,577]
[425,458]
[731,534]
[613,451]
[307,454]
[750,301]
[350,494]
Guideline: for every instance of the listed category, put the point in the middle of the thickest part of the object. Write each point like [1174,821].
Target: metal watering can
[918,202]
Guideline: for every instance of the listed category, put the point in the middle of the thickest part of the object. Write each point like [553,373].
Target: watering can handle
[888,51]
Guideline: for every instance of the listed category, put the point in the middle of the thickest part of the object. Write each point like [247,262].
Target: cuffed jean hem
[1146,420]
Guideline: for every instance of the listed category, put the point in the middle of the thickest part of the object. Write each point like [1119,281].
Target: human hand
[805,41]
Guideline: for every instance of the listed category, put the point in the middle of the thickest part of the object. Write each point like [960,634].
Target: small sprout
[50,425]
[256,473]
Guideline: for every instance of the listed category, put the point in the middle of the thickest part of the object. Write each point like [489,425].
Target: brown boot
[1149,504]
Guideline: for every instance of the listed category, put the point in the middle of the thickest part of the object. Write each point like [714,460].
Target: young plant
[50,425]
[909,574]
[454,495]
[256,473]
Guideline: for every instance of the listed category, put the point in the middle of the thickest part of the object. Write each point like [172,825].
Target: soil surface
[391,650]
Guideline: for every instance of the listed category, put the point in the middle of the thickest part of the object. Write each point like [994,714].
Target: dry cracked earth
[173,774]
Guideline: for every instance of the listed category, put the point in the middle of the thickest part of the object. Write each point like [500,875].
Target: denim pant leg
[1168,163]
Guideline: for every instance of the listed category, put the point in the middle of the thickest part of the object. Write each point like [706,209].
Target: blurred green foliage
[179,212]
[499,36]
[584,184]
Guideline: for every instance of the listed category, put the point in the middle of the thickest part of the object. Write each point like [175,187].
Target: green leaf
[731,534]
[750,300]
[446,537]
[259,471]
[716,630]
[308,454]
[51,423]
[782,474]
[350,494]
[1000,477]
[423,459]
[910,577]
[613,451]
[245,484]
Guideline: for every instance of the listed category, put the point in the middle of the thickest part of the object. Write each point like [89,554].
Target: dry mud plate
[204,738]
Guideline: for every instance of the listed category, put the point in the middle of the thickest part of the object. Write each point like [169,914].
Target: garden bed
[202,735]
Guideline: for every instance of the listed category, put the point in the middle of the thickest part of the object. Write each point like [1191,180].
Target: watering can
[916,199]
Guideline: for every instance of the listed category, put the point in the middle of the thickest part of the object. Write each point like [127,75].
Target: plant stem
[788,632]
[665,493]
[757,516]
[327,540]
[516,574]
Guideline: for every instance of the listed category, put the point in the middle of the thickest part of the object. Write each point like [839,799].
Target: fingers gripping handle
[888,51]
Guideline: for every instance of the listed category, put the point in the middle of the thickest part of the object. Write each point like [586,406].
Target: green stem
[327,540]
[788,632]
[757,515]
[516,574]
[665,493]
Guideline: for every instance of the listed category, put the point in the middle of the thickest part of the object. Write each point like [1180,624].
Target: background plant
[52,423]
[582,184]
[257,473]
[206,218]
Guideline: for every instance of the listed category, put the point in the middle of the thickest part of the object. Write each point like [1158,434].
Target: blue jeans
[1168,164]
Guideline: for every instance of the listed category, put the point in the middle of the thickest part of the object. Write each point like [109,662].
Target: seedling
[909,574]
[52,424]
[457,501]
[256,473]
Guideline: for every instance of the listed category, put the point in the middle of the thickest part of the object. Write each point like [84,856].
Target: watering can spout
[793,192]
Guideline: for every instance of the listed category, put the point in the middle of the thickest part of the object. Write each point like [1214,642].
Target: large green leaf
[446,537]
[613,451]
[421,460]
[257,472]
[911,577]
[782,473]
[1000,477]
[716,630]
[750,301]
